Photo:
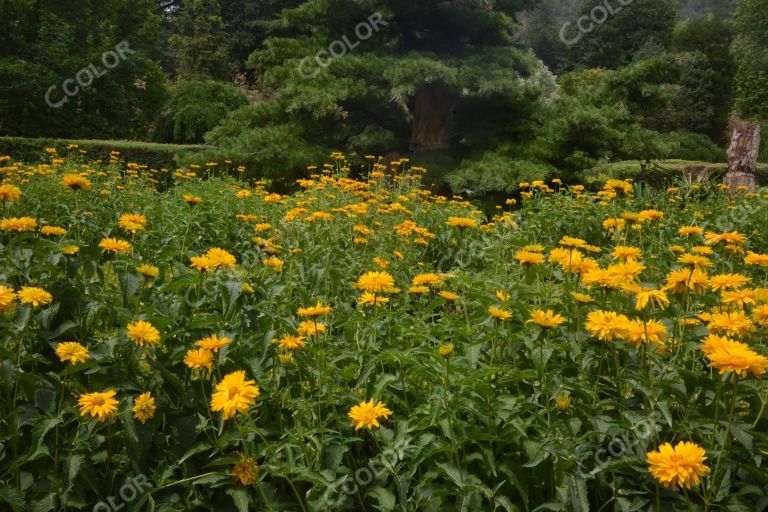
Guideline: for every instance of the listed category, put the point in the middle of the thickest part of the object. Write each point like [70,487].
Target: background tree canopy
[484,92]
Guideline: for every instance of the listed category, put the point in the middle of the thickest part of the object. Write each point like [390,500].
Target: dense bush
[195,108]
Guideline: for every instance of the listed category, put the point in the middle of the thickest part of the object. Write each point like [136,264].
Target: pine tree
[381,75]
[200,42]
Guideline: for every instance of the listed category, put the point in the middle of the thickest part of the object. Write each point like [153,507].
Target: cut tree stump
[742,155]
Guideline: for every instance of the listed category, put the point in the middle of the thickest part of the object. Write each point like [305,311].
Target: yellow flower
[734,356]
[274,263]
[681,279]
[246,470]
[52,231]
[428,279]
[446,349]
[366,414]
[461,222]
[690,230]
[18,224]
[639,332]
[606,325]
[545,319]
[234,394]
[34,296]
[132,222]
[529,257]
[144,407]
[563,402]
[625,253]
[7,296]
[148,271]
[200,358]
[449,296]
[220,258]
[753,258]
[734,323]
[115,245]
[192,200]
[721,282]
[500,313]
[307,328]
[368,298]
[72,352]
[646,296]
[583,298]
[202,263]
[213,343]
[759,314]
[314,311]
[681,465]
[502,295]
[572,242]
[9,193]
[70,250]
[289,342]
[376,282]
[75,182]
[696,261]
[143,333]
[99,405]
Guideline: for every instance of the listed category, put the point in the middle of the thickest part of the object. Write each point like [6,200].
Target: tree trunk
[432,117]
[742,155]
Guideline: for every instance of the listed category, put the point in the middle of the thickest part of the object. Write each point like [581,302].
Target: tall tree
[79,68]
[199,41]
[397,73]
[610,34]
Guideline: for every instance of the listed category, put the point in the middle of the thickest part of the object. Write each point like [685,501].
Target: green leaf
[385,498]
[13,497]
[241,499]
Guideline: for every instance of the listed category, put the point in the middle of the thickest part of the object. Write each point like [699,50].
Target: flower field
[363,344]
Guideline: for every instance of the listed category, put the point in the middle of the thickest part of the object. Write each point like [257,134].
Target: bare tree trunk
[432,117]
[742,155]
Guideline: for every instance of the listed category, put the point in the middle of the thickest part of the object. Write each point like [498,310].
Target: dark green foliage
[750,49]
[156,156]
[615,42]
[44,43]
[195,108]
[200,42]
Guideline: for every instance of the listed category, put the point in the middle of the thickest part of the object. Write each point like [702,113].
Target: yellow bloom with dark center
[376,282]
[289,342]
[192,200]
[545,319]
[734,356]
[500,313]
[9,193]
[18,224]
[681,465]
[529,257]
[35,296]
[75,182]
[101,406]
[607,325]
[246,471]
[367,414]
[7,297]
[733,323]
[144,407]
[462,222]
[143,333]
[52,231]
[71,352]
[213,343]
[234,394]
[115,245]
[371,299]
[310,328]
[200,358]
[314,311]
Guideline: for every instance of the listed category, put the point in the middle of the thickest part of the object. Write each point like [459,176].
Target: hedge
[663,172]
[154,155]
